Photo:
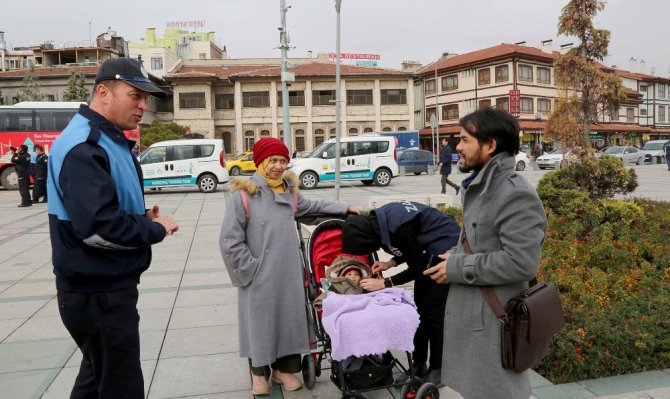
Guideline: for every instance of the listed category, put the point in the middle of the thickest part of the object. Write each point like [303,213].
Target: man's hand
[170,224]
[380,265]
[372,284]
[439,271]
[152,213]
[352,210]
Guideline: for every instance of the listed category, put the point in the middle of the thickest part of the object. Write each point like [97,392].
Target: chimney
[565,48]
[151,36]
[546,46]
[643,66]
[410,66]
[632,65]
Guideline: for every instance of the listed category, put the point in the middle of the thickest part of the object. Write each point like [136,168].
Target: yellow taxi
[243,163]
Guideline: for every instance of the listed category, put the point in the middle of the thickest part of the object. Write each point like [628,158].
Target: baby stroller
[351,376]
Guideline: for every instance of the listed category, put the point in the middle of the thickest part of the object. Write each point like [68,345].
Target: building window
[643,112]
[615,115]
[525,73]
[643,88]
[265,133]
[450,111]
[394,97]
[224,101]
[192,100]
[484,76]
[332,132]
[661,90]
[386,129]
[300,140]
[484,104]
[156,62]
[630,114]
[369,130]
[353,132]
[359,97]
[543,75]
[49,97]
[295,99]
[430,86]
[429,114]
[227,142]
[319,137]
[323,97]
[256,99]
[526,105]
[661,114]
[202,56]
[249,140]
[502,73]
[502,103]
[543,105]
[402,128]
[450,82]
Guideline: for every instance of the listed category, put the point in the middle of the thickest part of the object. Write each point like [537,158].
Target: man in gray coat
[505,225]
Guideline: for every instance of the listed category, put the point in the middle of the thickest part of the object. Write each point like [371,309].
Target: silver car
[629,155]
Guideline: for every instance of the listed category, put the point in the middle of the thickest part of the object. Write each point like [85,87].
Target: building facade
[241,102]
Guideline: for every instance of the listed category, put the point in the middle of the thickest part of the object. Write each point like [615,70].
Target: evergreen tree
[161,131]
[587,91]
[76,87]
[30,90]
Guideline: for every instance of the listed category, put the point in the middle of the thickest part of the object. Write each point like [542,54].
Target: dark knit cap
[268,147]
[360,235]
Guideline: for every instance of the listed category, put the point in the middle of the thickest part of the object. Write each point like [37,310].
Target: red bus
[33,123]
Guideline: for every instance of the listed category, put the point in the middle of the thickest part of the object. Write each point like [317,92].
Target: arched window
[386,129]
[332,133]
[265,133]
[299,140]
[281,135]
[353,132]
[402,128]
[367,130]
[249,140]
[319,137]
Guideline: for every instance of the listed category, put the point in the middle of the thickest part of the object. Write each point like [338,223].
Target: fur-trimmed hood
[253,184]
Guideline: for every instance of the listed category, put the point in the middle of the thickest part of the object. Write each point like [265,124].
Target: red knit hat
[268,147]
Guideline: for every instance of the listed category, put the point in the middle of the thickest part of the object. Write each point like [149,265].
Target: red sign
[515,102]
[355,56]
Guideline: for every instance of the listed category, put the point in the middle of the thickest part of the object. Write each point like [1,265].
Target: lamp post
[286,76]
[338,94]
[435,125]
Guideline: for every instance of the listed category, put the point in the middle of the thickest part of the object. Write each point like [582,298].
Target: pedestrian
[21,160]
[101,233]
[445,166]
[260,249]
[666,147]
[40,172]
[414,234]
[505,224]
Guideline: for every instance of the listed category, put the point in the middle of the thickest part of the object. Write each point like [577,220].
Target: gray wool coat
[505,224]
[263,260]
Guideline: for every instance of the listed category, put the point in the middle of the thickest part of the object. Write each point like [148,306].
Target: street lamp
[434,124]
[338,94]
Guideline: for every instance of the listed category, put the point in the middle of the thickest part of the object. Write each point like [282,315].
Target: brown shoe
[260,385]
[289,381]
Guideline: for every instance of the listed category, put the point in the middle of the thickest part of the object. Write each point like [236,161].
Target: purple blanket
[371,323]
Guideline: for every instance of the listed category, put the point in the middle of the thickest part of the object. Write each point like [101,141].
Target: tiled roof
[501,50]
[50,71]
[273,71]
[640,76]
[619,127]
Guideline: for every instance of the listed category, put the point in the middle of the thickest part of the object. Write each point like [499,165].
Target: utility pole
[286,76]
[338,102]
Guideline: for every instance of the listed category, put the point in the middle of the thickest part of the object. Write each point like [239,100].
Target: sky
[415,30]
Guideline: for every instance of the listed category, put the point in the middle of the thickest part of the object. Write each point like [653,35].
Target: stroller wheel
[410,390]
[355,396]
[428,391]
[308,371]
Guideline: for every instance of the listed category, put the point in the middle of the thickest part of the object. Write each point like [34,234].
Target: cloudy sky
[419,30]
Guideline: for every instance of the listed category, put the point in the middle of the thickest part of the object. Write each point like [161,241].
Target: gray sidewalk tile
[215,262]
[35,355]
[38,328]
[27,384]
[50,309]
[627,383]
[200,341]
[204,316]
[563,391]
[629,395]
[213,277]
[200,375]
[156,300]
[20,309]
[21,289]
[154,319]
[161,281]
[536,380]
[8,326]
[659,393]
[204,297]
[150,346]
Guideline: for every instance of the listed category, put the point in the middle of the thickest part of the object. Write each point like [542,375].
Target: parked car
[415,161]
[549,160]
[178,163]
[521,158]
[629,154]
[243,163]
[654,149]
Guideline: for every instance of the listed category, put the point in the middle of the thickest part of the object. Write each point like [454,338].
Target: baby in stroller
[343,277]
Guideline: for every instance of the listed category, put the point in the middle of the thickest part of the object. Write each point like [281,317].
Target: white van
[178,163]
[369,158]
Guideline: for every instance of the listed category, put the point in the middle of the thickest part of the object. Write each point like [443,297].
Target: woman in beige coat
[262,257]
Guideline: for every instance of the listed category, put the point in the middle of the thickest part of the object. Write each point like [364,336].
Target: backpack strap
[247,208]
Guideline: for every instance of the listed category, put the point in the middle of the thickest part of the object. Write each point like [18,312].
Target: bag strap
[487,291]
[247,208]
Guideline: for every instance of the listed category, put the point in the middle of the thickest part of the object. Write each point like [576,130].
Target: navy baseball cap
[130,71]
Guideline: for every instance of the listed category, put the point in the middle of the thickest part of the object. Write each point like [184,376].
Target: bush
[162,131]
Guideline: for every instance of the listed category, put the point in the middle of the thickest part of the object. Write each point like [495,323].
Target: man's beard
[476,167]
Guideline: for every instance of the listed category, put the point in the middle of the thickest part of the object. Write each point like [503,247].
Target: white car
[178,163]
[654,149]
[629,155]
[550,160]
[522,161]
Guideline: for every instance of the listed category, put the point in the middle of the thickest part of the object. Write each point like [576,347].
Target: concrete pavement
[188,306]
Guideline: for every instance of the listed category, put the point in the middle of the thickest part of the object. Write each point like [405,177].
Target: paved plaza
[188,307]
